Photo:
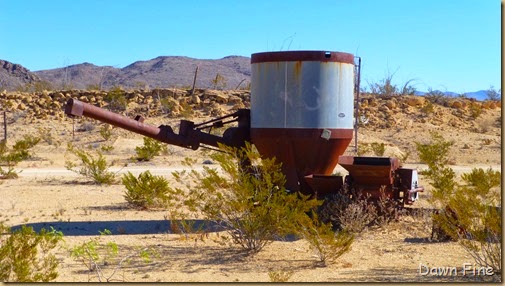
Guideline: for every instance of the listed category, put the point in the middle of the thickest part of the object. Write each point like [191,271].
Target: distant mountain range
[160,72]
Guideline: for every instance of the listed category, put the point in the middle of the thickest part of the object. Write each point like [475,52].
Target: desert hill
[160,72]
[15,75]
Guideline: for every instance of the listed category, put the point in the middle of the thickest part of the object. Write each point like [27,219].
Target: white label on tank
[326,134]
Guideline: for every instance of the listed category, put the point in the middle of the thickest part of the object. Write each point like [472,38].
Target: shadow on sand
[118,227]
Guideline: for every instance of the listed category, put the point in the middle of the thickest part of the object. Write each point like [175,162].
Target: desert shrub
[46,135]
[106,132]
[95,86]
[146,191]
[493,94]
[427,108]
[386,87]
[10,157]
[388,209]
[186,110]
[106,259]
[475,110]
[219,82]
[37,86]
[116,97]
[436,152]
[363,149]
[434,97]
[378,148]
[19,151]
[328,245]
[93,167]
[280,276]
[484,125]
[25,255]
[150,149]
[250,204]
[10,173]
[470,212]
[107,148]
[347,211]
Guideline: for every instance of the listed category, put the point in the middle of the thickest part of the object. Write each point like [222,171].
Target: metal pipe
[188,136]
[165,134]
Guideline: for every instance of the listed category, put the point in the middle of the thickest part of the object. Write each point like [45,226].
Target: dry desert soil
[46,195]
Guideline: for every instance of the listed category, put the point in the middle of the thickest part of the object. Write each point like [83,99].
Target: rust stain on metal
[298,69]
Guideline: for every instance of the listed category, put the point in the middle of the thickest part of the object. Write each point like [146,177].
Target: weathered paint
[302,94]
[302,111]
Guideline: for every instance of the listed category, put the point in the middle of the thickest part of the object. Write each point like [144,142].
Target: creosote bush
[116,97]
[150,149]
[10,157]
[93,167]
[470,209]
[106,259]
[251,203]
[25,255]
[322,238]
[146,191]
[106,131]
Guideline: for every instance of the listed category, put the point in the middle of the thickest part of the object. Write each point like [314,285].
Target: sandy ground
[46,194]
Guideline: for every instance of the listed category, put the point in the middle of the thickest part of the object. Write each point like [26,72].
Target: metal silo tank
[302,105]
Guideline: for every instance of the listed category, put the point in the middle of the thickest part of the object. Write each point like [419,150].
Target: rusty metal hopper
[370,174]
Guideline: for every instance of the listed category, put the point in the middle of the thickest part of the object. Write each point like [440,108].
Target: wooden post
[194,81]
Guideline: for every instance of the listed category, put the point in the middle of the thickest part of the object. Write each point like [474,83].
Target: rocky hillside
[14,75]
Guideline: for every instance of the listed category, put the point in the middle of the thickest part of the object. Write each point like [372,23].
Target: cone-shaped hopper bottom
[302,152]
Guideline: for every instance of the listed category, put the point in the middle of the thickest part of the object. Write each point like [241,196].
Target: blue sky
[442,44]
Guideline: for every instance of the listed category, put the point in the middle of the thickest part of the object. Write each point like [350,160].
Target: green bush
[93,167]
[378,148]
[116,97]
[328,245]
[251,203]
[106,131]
[475,110]
[25,255]
[146,191]
[105,259]
[20,150]
[471,210]
[10,157]
[150,149]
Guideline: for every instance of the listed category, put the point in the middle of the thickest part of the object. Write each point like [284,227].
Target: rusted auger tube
[189,136]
